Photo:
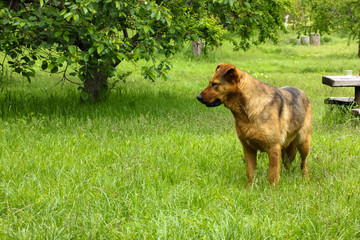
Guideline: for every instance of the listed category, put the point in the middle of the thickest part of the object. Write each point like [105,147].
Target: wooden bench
[356,112]
[344,81]
[340,100]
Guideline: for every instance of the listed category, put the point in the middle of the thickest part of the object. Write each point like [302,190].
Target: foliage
[300,18]
[89,38]
[342,15]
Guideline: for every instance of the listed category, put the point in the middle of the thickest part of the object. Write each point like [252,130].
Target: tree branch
[10,4]
[336,11]
[352,16]
[135,38]
[133,41]
[123,26]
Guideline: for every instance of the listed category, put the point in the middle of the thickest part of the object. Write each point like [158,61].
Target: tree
[94,36]
[342,15]
[300,16]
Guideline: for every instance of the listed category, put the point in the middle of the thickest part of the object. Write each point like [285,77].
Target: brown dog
[269,119]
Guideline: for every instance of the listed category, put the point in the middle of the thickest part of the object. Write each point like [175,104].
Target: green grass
[152,162]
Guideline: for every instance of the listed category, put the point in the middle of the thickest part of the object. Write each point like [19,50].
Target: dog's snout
[200,97]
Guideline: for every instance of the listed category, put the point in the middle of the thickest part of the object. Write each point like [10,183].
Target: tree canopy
[340,15]
[92,37]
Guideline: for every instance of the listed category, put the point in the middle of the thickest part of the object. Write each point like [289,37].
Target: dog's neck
[238,108]
[237,101]
[241,102]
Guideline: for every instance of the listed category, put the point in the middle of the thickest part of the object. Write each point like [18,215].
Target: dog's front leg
[274,164]
[250,159]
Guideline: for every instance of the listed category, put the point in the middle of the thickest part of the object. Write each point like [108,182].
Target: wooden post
[305,40]
[197,47]
[357,95]
[315,39]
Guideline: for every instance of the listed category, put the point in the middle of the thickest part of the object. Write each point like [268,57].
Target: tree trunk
[315,39]
[197,47]
[95,85]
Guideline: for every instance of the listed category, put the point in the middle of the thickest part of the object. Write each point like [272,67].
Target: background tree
[341,15]
[299,19]
[92,37]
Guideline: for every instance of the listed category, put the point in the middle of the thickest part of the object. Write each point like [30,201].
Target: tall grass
[152,162]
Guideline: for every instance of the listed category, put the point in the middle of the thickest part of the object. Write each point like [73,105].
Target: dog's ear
[230,72]
[217,68]
[227,71]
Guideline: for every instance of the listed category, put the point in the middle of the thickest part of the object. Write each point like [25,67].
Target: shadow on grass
[143,108]
[118,104]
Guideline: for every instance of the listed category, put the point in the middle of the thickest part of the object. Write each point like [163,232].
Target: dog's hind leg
[288,155]
[304,149]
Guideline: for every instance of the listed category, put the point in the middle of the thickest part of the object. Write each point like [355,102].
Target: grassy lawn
[152,162]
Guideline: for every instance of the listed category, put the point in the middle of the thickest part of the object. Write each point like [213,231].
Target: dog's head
[221,86]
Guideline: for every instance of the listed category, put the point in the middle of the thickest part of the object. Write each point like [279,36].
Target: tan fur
[269,119]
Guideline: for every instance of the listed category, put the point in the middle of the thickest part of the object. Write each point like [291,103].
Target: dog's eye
[213,84]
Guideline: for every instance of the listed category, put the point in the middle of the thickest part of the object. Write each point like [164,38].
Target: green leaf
[168,21]
[68,15]
[195,37]
[66,36]
[143,13]
[13,54]
[76,17]
[91,50]
[100,48]
[61,59]
[41,3]
[86,57]
[27,74]
[34,57]
[44,65]
[122,56]
[26,59]
[158,15]
[72,50]
[146,28]
[84,95]
[57,34]
[49,21]
[152,76]
[54,69]
[62,12]
[165,77]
